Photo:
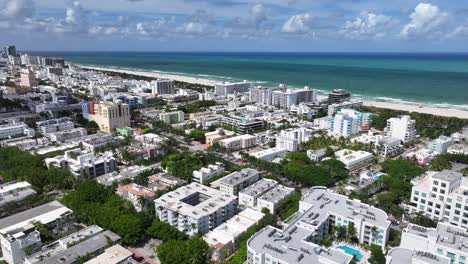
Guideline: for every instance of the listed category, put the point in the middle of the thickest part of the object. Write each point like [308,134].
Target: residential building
[343,125]
[54,71]
[319,154]
[82,163]
[271,199]
[354,160]
[403,255]
[238,180]
[243,124]
[388,147]
[319,211]
[238,142]
[403,128]
[223,238]
[290,139]
[54,125]
[125,131]
[248,196]
[15,192]
[107,115]
[444,242]
[224,89]
[114,255]
[303,111]
[335,108]
[458,149]
[27,78]
[441,144]
[214,137]
[270,154]
[290,97]
[263,95]
[63,136]
[338,96]
[195,208]
[17,232]
[442,196]
[172,117]
[163,181]
[204,174]
[127,173]
[14,129]
[48,61]
[135,194]
[161,87]
[422,156]
[364,120]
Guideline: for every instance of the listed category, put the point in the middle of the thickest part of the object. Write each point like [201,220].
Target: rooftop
[276,194]
[15,192]
[237,177]
[403,255]
[259,187]
[446,235]
[448,175]
[113,255]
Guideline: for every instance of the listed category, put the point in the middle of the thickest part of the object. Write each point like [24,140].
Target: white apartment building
[354,160]
[458,149]
[172,117]
[239,142]
[387,147]
[403,128]
[54,125]
[225,89]
[14,192]
[335,108]
[403,255]
[441,196]
[238,180]
[270,154]
[286,99]
[134,192]
[248,196]
[290,139]
[273,197]
[445,241]
[16,129]
[319,211]
[441,144]
[161,86]
[66,135]
[195,208]
[343,125]
[223,238]
[108,115]
[204,174]
[17,232]
[82,163]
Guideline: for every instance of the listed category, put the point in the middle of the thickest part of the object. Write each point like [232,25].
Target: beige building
[110,116]
[215,136]
[239,142]
[27,78]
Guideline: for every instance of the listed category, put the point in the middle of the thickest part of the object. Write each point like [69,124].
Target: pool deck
[364,252]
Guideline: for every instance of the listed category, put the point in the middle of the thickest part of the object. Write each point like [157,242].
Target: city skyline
[235,26]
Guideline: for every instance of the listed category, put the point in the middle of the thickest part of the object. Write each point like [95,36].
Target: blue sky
[236,25]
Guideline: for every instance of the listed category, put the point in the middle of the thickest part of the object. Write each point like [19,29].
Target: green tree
[377,256]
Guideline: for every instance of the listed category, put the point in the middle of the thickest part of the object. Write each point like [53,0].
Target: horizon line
[257,52]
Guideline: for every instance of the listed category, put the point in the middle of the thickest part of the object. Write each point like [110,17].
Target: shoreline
[408,107]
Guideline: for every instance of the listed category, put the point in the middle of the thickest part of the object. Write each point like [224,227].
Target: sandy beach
[418,108]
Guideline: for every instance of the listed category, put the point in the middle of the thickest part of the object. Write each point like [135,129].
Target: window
[438,206]
[436,183]
[449,200]
[458,205]
[442,191]
[440,251]
[416,192]
[423,194]
[443,184]
[434,189]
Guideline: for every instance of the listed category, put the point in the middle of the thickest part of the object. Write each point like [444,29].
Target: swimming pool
[351,251]
[378,176]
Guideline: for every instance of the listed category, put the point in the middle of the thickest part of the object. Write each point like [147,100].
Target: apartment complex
[270,154]
[343,125]
[54,125]
[291,139]
[441,144]
[14,129]
[243,124]
[214,137]
[224,89]
[134,193]
[109,116]
[82,163]
[239,142]
[263,95]
[335,108]
[290,97]
[272,198]
[248,197]
[63,136]
[161,87]
[354,160]
[17,232]
[442,196]
[204,174]
[403,128]
[172,117]
[15,192]
[338,96]
[195,208]
[319,211]
[238,180]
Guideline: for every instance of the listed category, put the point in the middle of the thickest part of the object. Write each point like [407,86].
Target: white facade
[290,139]
[172,117]
[15,129]
[224,89]
[273,197]
[441,144]
[160,87]
[239,142]
[13,192]
[54,125]
[238,180]
[354,160]
[248,196]
[403,128]
[343,125]
[204,174]
[195,208]
[441,196]
[335,108]
[270,154]
[66,135]
[458,149]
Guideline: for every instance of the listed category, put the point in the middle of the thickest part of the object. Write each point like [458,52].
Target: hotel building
[403,128]
[107,115]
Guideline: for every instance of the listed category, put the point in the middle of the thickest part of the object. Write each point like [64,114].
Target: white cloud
[259,14]
[462,30]
[426,20]
[298,24]
[368,25]
[16,10]
[194,28]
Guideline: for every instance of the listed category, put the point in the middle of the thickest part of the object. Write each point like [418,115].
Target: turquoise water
[436,79]
[351,251]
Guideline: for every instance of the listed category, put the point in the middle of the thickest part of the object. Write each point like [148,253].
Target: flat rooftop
[113,255]
[238,177]
[402,255]
[445,235]
[276,194]
[195,200]
[448,175]
[259,188]
[45,214]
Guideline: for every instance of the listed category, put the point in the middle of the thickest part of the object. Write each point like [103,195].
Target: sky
[235,25]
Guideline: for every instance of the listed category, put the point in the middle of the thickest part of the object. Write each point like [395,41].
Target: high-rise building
[27,78]
[160,87]
[343,125]
[403,128]
[263,95]
[107,115]
[364,119]
[290,97]
[54,62]
[172,117]
[10,51]
[338,96]
[225,89]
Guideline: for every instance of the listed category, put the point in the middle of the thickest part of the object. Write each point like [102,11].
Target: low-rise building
[82,163]
[441,144]
[238,180]
[273,197]
[243,124]
[204,174]
[403,255]
[195,208]
[422,156]
[354,160]
[163,181]
[458,149]
[239,142]
[114,255]
[127,173]
[54,125]
[14,129]
[172,117]
[15,192]
[248,197]
[135,194]
[270,154]
[17,232]
[66,135]
[219,134]
[223,238]
[388,147]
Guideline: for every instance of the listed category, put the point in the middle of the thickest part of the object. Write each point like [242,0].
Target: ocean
[434,79]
